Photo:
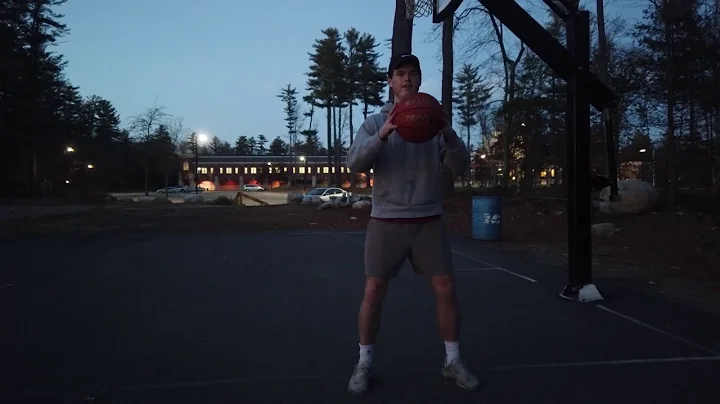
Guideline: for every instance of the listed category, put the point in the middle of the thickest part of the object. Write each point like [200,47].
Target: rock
[195,199]
[295,197]
[222,200]
[603,229]
[362,204]
[635,197]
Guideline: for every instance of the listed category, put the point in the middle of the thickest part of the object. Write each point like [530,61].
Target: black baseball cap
[401,60]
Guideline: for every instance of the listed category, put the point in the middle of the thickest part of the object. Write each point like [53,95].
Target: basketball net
[418,8]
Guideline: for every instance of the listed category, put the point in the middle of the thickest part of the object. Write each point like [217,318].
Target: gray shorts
[388,244]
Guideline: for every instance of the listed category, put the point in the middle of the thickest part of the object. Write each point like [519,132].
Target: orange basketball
[419,118]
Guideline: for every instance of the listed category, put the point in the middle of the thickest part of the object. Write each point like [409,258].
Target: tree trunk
[670,153]
[350,117]
[448,182]
[401,34]
[329,140]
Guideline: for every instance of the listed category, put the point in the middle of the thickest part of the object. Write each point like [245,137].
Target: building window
[253,170]
[302,170]
[245,170]
[326,170]
[212,169]
[228,170]
[333,170]
[285,169]
[342,169]
[203,170]
[186,166]
[221,170]
[237,171]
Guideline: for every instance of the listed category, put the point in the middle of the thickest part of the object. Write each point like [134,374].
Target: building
[231,172]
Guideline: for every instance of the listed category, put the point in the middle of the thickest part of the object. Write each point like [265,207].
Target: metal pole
[578,153]
[197,161]
[305,178]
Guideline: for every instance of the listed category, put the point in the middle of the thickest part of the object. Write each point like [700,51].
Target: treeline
[49,131]
[665,69]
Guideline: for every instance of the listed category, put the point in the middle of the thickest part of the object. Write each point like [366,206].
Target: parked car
[171,190]
[252,187]
[318,195]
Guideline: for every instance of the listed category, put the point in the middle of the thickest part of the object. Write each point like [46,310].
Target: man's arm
[365,148]
[456,155]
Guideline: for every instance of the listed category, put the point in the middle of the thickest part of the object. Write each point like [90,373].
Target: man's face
[405,80]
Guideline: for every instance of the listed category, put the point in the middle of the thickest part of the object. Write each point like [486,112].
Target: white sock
[452,351]
[366,353]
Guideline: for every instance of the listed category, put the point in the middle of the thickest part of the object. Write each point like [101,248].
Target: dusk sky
[220,64]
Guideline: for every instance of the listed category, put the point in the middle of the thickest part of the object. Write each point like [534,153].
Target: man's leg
[431,256]
[386,247]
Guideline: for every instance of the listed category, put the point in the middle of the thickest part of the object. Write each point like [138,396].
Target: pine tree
[372,79]
[469,98]
[288,95]
[325,78]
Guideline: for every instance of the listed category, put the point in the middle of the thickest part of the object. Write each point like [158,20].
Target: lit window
[326,170]
[342,169]
[245,171]
[203,170]
[229,170]
[302,170]
[284,169]
[237,170]
[277,170]
[333,170]
[221,170]
[253,170]
[212,169]
[371,171]
[186,166]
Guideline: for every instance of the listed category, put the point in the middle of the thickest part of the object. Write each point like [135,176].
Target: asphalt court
[272,318]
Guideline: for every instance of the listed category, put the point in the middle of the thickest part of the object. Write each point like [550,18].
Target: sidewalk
[272,318]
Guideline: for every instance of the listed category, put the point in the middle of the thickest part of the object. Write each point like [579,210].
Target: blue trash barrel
[486,218]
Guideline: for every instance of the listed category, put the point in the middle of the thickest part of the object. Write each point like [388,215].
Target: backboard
[444,9]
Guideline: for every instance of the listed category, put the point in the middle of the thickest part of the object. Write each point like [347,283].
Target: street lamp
[90,166]
[304,161]
[199,138]
[69,149]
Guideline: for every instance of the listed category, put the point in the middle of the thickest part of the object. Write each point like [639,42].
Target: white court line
[416,372]
[326,233]
[606,363]
[495,266]
[475,269]
[659,331]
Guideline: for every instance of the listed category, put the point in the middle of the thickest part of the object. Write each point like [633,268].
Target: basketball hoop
[418,8]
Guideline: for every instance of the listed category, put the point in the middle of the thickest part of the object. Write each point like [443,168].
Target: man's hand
[388,127]
[447,132]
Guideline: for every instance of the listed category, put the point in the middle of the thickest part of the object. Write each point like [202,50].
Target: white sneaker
[457,371]
[360,379]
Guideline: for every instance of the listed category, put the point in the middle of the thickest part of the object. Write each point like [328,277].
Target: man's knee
[443,287]
[375,289]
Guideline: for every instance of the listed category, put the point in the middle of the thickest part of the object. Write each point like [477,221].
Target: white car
[325,194]
[171,190]
[252,187]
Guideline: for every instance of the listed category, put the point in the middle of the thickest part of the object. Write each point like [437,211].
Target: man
[406,221]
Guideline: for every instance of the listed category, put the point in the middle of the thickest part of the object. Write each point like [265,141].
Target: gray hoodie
[407,176]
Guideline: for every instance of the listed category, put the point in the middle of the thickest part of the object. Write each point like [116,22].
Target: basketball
[419,118]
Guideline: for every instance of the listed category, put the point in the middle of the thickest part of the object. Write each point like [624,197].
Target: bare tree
[143,128]
[177,134]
